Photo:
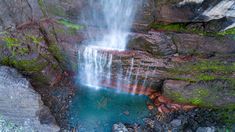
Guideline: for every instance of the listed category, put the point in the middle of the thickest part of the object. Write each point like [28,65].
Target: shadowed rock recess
[180,53]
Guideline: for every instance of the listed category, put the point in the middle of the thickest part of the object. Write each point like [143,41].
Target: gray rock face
[157,43]
[21,105]
[195,10]
[16,12]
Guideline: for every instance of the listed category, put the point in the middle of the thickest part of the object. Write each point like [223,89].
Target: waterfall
[113,20]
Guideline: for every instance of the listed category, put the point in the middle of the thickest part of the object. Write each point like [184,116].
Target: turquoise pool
[97,110]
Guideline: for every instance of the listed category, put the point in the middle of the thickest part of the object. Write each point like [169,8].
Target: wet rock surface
[194,120]
[119,128]
[203,93]
[160,43]
[164,61]
[21,105]
[177,11]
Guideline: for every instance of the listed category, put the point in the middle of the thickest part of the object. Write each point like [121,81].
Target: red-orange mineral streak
[163,104]
[166,105]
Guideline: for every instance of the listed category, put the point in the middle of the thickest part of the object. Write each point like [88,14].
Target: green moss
[56,52]
[56,10]
[11,42]
[200,95]
[227,115]
[27,66]
[183,79]
[34,39]
[42,7]
[230,31]
[18,47]
[69,24]
[170,27]
[182,27]
[201,92]
[206,70]
[196,101]
[205,77]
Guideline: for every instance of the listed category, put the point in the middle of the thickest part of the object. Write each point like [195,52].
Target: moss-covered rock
[212,94]
[27,51]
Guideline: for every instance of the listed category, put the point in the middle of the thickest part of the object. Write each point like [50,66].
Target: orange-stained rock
[163,109]
[150,107]
[188,107]
[154,95]
[157,103]
[176,106]
[163,99]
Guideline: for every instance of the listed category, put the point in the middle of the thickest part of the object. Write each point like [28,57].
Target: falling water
[113,19]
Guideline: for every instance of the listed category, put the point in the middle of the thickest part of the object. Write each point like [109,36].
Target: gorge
[117,65]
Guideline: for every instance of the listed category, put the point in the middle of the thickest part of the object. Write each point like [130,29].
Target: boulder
[159,43]
[21,105]
[206,129]
[178,11]
[216,93]
[16,12]
[197,44]
[155,43]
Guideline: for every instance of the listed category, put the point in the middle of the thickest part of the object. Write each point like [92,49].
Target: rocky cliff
[21,106]
[182,48]
[221,12]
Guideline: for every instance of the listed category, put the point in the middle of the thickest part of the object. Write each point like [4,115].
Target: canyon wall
[178,42]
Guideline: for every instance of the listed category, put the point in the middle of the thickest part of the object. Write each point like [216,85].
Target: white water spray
[113,18]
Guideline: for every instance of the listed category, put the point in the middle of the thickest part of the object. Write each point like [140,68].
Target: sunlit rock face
[21,105]
[190,1]
[196,11]
[225,8]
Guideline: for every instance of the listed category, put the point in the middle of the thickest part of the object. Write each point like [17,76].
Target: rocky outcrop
[17,12]
[178,11]
[160,43]
[198,120]
[208,94]
[21,105]
[194,69]
[14,13]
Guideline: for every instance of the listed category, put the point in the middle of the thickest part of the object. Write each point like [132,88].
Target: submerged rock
[206,129]
[119,127]
[21,105]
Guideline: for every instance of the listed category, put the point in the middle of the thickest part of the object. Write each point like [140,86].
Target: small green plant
[35,40]
[42,7]
[182,27]
[69,24]
[11,42]
[230,31]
